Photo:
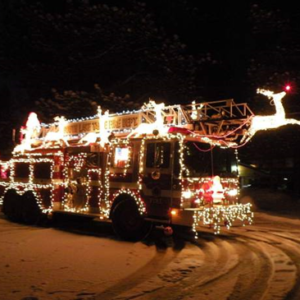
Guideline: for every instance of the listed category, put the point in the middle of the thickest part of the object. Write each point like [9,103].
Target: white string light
[191,189]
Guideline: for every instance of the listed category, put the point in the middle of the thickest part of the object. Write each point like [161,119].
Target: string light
[135,195]
[107,186]
[224,191]
[222,215]
[269,122]
[22,187]
[92,186]
[124,155]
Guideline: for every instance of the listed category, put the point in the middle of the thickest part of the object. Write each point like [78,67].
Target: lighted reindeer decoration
[146,128]
[103,134]
[57,136]
[269,122]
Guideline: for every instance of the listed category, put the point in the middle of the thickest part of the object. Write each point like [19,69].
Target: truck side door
[157,178]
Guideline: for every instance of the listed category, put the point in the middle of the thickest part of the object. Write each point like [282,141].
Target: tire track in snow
[253,270]
[161,259]
[291,272]
[266,271]
[283,253]
[294,253]
[255,264]
[196,265]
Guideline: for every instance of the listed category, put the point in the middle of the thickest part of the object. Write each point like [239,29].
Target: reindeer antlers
[271,94]
[267,93]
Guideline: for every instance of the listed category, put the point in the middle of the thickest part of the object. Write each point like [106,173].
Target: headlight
[187,194]
[233,192]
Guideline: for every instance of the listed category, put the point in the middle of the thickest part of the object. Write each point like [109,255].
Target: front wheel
[128,222]
[31,212]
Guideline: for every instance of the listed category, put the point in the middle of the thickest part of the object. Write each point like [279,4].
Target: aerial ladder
[224,119]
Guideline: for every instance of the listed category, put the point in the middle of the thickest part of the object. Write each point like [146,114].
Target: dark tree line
[70,56]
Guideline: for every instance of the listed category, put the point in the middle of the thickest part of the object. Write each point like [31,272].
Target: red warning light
[287,88]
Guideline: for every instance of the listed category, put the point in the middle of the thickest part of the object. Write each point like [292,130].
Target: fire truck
[160,165]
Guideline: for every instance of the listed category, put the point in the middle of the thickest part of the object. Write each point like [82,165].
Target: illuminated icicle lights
[217,216]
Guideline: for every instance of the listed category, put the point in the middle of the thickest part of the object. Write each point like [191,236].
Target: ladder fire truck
[164,165]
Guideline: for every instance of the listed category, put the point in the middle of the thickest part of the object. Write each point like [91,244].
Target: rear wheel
[31,212]
[12,205]
[128,222]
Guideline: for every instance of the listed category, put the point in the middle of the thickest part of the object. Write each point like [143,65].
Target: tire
[127,222]
[31,212]
[12,206]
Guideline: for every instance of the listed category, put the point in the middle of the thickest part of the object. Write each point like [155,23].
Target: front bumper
[213,216]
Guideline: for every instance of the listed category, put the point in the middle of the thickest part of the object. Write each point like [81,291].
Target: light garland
[182,168]
[107,185]
[208,215]
[141,164]
[4,167]
[135,195]
[91,185]
[217,215]
[269,122]
[122,143]
[56,136]
[79,161]
[22,187]
[60,166]
[69,185]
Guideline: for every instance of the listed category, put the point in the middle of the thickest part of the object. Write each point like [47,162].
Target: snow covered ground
[46,263]
[261,261]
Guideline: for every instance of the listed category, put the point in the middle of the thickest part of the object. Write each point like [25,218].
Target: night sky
[173,51]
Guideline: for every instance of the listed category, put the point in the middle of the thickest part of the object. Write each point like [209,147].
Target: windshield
[203,160]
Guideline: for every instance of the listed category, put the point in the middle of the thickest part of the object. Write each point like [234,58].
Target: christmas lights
[78,161]
[135,195]
[107,186]
[77,189]
[56,136]
[92,184]
[157,125]
[121,136]
[273,121]
[22,187]
[121,151]
[217,216]
[202,191]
